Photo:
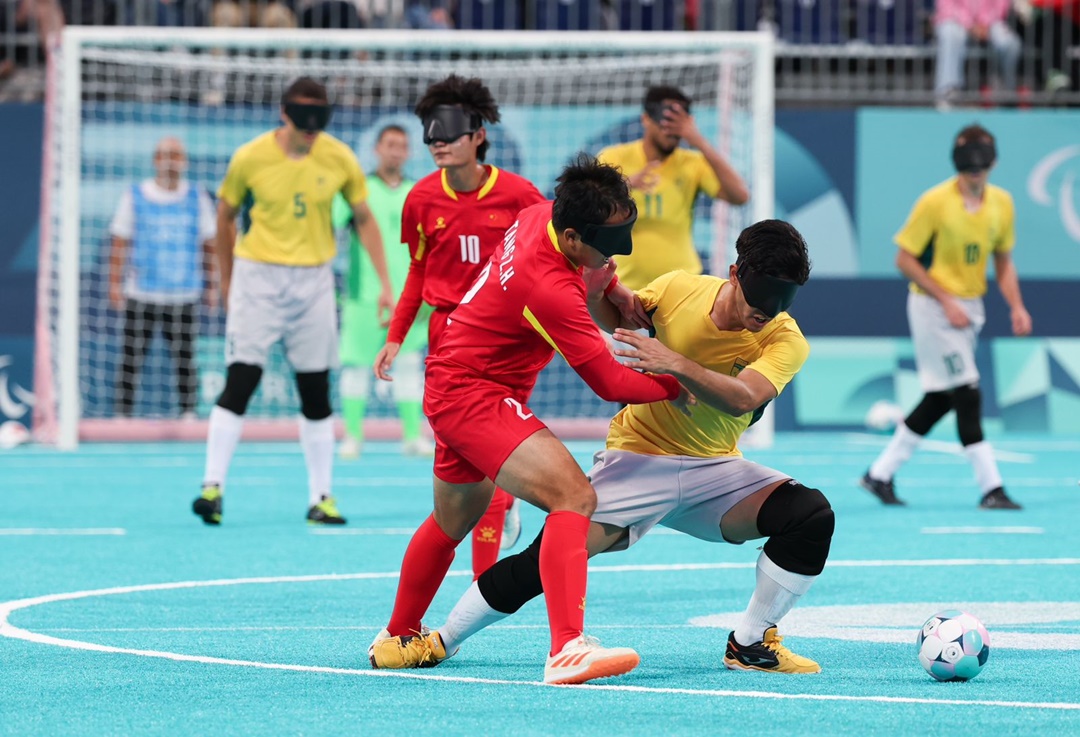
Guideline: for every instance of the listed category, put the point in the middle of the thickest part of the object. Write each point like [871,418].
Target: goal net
[113,95]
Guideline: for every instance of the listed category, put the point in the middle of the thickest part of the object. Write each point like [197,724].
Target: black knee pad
[799,524]
[933,407]
[241,381]
[514,580]
[967,401]
[314,390]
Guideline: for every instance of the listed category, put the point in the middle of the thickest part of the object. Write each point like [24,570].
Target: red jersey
[527,303]
[451,235]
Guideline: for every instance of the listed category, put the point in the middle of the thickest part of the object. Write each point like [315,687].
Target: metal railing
[829,52]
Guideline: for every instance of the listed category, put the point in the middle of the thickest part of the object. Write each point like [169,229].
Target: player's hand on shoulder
[1021,322]
[650,353]
[630,307]
[385,360]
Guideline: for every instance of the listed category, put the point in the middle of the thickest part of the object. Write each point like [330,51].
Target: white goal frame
[58,415]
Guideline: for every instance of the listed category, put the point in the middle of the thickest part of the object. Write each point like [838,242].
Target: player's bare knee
[799,523]
[241,381]
[314,390]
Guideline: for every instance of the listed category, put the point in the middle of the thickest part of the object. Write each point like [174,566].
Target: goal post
[114,92]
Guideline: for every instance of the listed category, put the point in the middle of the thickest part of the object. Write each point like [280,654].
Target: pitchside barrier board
[845,178]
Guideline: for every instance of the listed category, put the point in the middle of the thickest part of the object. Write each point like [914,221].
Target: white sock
[221,440]
[775,594]
[981,457]
[471,614]
[896,453]
[317,442]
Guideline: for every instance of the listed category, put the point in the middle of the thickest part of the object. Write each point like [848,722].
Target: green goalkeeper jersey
[386,202]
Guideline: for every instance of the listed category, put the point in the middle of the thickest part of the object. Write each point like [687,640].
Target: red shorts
[477,425]
[436,327]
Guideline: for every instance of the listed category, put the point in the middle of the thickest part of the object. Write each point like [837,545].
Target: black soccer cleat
[998,499]
[768,654]
[208,505]
[883,490]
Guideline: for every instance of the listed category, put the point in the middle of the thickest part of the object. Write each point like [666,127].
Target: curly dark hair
[774,248]
[471,94]
[588,192]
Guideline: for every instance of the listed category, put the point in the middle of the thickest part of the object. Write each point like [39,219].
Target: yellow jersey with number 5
[286,204]
[663,238]
[954,244]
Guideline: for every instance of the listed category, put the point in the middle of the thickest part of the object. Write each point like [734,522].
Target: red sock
[564,572]
[487,535]
[427,559]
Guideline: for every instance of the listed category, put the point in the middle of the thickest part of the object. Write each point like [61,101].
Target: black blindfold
[610,240]
[308,118]
[974,156]
[769,294]
[447,123]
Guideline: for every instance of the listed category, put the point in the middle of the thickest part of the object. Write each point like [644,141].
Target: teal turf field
[121,614]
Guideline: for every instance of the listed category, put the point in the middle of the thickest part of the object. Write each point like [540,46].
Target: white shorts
[944,355]
[293,304]
[637,491]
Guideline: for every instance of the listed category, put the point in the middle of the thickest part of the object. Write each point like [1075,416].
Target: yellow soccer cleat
[422,650]
[767,655]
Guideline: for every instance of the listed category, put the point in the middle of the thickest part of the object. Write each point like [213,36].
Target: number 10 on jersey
[470,249]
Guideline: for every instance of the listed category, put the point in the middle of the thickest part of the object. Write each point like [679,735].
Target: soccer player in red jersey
[528,302]
[452,221]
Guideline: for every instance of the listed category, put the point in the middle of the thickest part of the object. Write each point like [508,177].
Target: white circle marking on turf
[10,631]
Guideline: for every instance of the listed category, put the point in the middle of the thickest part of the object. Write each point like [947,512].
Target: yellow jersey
[663,239]
[954,244]
[285,203]
[683,303]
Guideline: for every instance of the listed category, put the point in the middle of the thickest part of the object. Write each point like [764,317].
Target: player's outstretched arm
[367,230]
[733,395]
[1009,284]
[117,261]
[225,241]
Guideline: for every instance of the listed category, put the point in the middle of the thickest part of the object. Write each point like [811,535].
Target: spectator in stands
[248,14]
[15,18]
[428,15]
[1056,29]
[160,266]
[984,21]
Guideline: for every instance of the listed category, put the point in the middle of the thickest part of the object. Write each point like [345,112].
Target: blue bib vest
[166,256]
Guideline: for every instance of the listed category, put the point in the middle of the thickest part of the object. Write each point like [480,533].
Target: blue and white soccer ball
[953,646]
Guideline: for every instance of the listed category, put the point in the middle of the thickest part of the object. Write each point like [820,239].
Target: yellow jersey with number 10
[285,204]
[954,244]
[663,237]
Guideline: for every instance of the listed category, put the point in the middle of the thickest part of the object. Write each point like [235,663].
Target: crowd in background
[1021,46]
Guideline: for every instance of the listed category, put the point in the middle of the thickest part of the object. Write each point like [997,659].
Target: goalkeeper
[362,333]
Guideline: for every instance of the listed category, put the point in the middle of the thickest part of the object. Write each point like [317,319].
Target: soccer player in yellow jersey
[277,283]
[665,180]
[730,342]
[945,245]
